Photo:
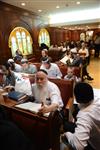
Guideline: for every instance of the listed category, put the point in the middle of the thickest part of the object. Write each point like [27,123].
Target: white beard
[41,94]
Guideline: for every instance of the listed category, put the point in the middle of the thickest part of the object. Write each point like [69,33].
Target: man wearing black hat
[87,131]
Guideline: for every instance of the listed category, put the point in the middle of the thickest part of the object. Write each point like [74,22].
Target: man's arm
[79,138]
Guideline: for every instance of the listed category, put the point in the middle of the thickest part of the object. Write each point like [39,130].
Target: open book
[30,106]
[65,59]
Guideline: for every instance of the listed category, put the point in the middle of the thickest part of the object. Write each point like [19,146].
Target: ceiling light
[78,3]
[57,7]
[23,4]
[39,10]
[75,16]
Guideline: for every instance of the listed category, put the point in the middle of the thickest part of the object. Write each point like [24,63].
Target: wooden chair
[55,122]
[64,68]
[66,88]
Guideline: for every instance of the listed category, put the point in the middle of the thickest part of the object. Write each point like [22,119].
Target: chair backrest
[77,71]
[1,79]
[64,69]
[55,122]
[66,88]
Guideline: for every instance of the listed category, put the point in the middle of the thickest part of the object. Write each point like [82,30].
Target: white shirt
[18,68]
[49,94]
[53,71]
[88,127]
[84,51]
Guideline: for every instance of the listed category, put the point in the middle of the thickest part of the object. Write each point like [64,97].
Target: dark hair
[83,92]
[43,46]
[46,51]
[44,71]
[46,60]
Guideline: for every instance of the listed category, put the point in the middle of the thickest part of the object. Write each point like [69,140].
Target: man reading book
[46,93]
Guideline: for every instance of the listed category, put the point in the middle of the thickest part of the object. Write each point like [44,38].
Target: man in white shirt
[51,68]
[16,67]
[87,130]
[46,93]
[28,67]
[84,54]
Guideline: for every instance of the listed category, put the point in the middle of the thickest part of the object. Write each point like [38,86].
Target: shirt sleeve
[79,138]
[55,95]
[58,72]
[33,69]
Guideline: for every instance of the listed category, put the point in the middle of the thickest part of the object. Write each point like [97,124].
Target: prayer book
[65,59]
[17,96]
[32,107]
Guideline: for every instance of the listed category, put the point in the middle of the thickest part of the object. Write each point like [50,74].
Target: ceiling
[48,7]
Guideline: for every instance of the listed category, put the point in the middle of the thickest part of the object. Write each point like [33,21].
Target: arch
[20,39]
[44,37]
[82,36]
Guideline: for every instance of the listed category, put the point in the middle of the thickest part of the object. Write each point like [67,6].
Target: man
[71,76]
[87,131]
[18,55]
[28,68]
[84,54]
[44,53]
[16,67]
[46,93]
[97,44]
[13,138]
[51,68]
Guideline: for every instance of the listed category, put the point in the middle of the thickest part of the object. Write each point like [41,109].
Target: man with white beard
[46,93]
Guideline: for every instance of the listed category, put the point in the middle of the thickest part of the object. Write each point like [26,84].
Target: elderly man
[46,93]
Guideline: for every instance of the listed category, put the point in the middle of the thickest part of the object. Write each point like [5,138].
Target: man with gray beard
[46,93]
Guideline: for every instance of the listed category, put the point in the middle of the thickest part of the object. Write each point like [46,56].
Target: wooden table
[44,131]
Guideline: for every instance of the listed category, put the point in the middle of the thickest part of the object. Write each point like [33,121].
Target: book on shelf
[32,107]
[17,96]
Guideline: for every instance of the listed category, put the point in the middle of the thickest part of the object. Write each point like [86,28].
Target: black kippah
[43,71]
[83,92]
[46,60]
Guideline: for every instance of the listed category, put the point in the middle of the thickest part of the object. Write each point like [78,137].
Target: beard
[41,93]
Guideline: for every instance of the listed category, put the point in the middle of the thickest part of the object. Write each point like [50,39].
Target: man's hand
[43,109]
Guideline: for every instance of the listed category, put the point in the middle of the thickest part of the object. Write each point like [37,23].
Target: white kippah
[10,60]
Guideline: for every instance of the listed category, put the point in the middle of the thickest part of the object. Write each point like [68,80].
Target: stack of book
[17,96]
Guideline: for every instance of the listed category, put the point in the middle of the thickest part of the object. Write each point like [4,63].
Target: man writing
[46,92]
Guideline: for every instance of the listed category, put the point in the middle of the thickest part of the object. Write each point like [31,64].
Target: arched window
[89,35]
[44,37]
[20,39]
[82,37]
